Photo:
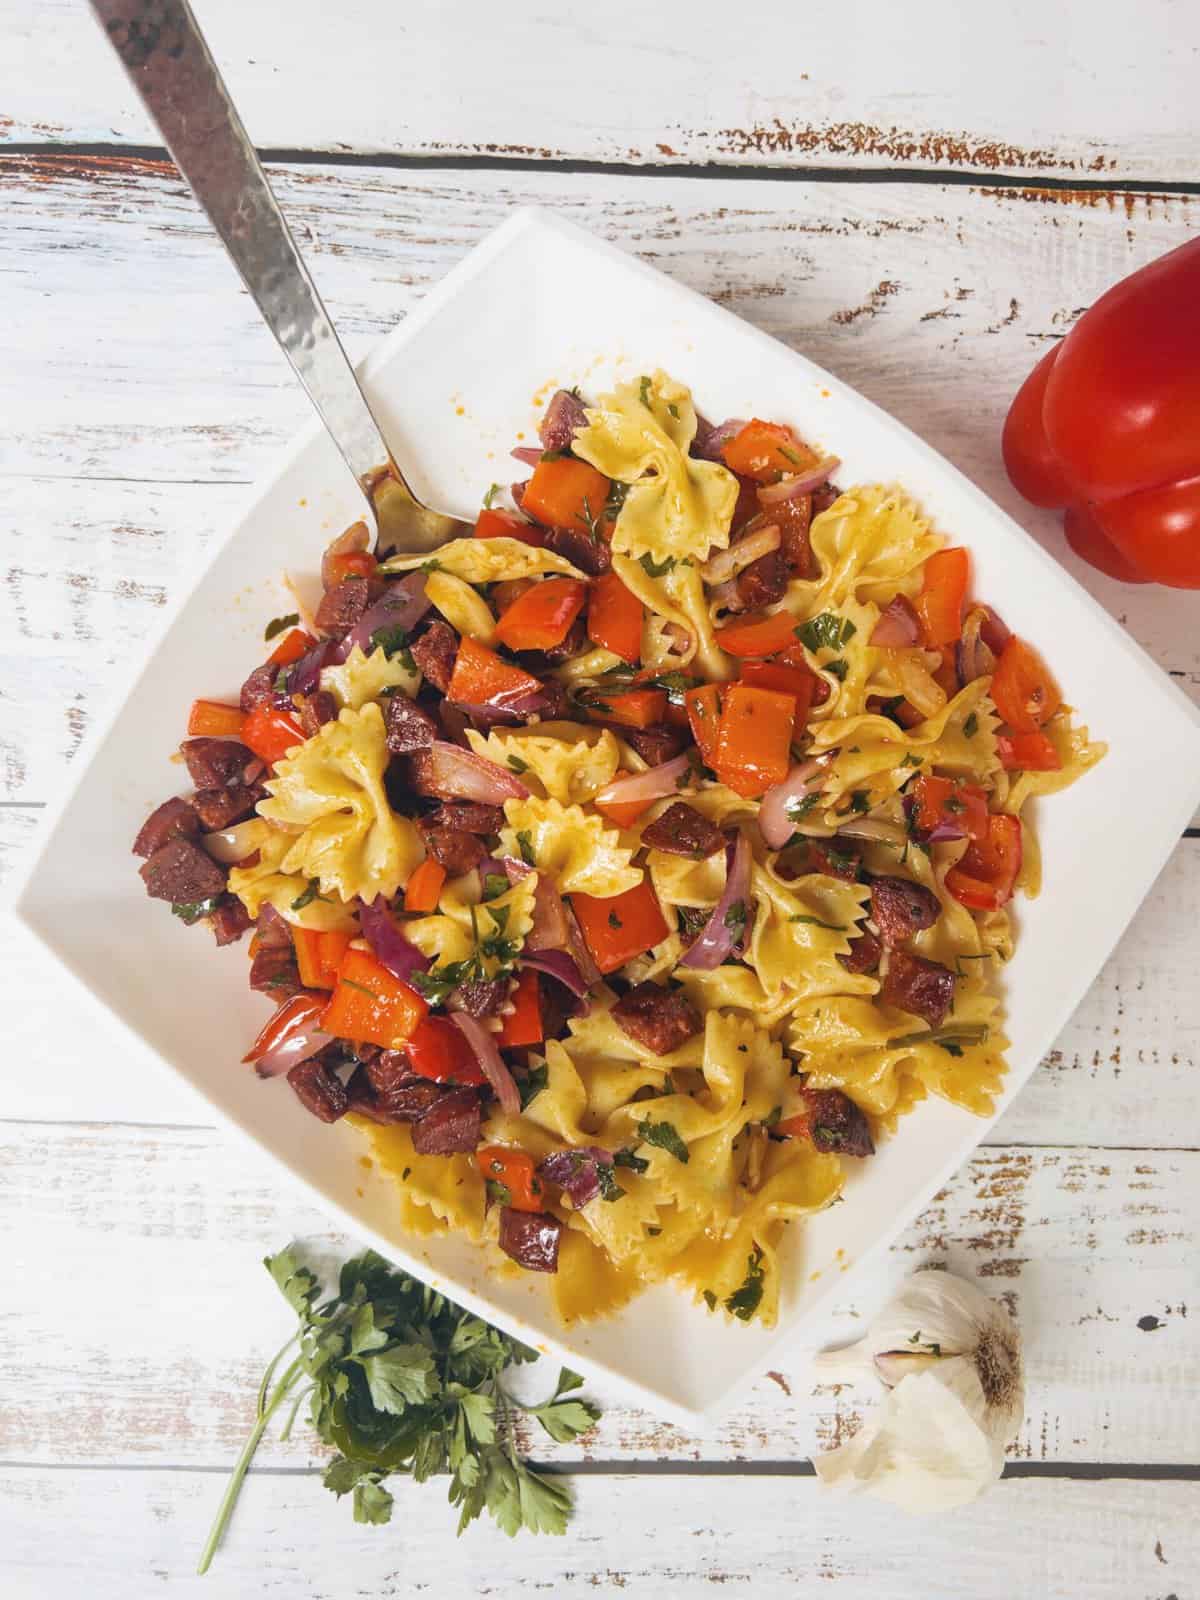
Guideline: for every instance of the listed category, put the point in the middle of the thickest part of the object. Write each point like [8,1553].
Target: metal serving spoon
[169,64]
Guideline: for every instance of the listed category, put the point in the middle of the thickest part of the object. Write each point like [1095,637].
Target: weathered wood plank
[871,87]
[153,372]
[1122,1073]
[158,1233]
[770,1537]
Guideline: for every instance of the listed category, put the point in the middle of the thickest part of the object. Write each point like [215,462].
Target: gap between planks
[408,161]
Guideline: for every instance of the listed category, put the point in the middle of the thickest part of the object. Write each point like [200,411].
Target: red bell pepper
[614,618]
[290,648]
[541,617]
[622,926]
[499,524]
[754,739]
[766,452]
[515,1171]
[217,721]
[481,677]
[1108,425]
[636,708]
[566,493]
[946,802]
[704,719]
[438,1050]
[986,876]
[350,564]
[799,682]
[424,888]
[1023,691]
[371,1005]
[758,635]
[270,732]
[523,1024]
[1027,752]
[940,602]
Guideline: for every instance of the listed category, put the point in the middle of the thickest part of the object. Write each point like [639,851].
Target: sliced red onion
[578,947]
[577,1171]
[528,704]
[725,596]
[898,628]
[301,1039]
[994,633]
[775,820]
[972,657]
[721,933]
[356,537]
[455,774]
[728,563]
[946,828]
[709,443]
[392,949]
[526,454]
[402,605]
[773,494]
[563,417]
[231,845]
[555,964]
[487,1053]
[304,676]
[655,784]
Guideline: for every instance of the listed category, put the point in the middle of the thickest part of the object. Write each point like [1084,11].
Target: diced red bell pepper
[371,1005]
[523,1024]
[481,677]
[516,1172]
[704,719]
[799,682]
[945,801]
[291,647]
[350,564]
[499,524]
[944,591]
[438,1050]
[541,617]
[216,721]
[614,618]
[986,877]
[758,635]
[636,708]
[766,452]
[754,739]
[566,493]
[1023,691]
[620,927]
[270,732]
[424,888]
[1028,752]
[308,958]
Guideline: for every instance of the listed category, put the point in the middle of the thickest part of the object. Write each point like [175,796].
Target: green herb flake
[664,1136]
[309,895]
[912,760]
[744,1302]
[656,569]
[789,455]
[525,845]
[490,496]
[644,392]
[393,641]
[614,920]
[971,726]
[494,885]
[860,800]
[627,1158]
[517,765]
[710,1300]
[610,1189]
[192,911]
[838,667]
[795,810]
[532,1084]
[815,922]
[278,624]
[826,632]
[735,917]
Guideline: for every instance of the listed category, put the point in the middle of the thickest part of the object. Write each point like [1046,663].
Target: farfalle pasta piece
[436,1192]
[674,597]
[800,929]
[266,883]
[485,561]
[331,789]
[467,612]
[675,506]
[570,847]
[571,766]
[1076,751]
[362,678]
[870,545]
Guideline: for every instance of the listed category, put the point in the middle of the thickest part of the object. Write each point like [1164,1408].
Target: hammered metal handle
[169,64]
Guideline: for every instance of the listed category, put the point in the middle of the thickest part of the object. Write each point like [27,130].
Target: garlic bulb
[951,1359]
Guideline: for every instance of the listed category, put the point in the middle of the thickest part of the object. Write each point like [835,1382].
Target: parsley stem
[270,1372]
[242,1465]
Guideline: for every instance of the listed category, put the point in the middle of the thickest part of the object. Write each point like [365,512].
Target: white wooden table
[919,197]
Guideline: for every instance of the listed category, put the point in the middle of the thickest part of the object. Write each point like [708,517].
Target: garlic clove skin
[951,1358]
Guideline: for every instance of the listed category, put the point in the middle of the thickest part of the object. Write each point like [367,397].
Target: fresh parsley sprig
[400,1379]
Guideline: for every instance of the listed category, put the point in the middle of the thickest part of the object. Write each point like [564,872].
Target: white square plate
[538,304]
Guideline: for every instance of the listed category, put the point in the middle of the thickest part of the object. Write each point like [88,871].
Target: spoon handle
[169,64]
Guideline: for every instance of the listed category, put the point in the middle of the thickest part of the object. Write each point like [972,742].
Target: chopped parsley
[971,726]
[616,499]
[838,667]
[310,894]
[673,409]
[826,632]
[614,920]
[498,1194]
[710,1300]
[815,922]
[610,1189]
[656,569]
[912,760]
[796,809]
[278,624]
[952,1037]
[494,885]
[627,1158]
[735,917]
[860,800]
[664,1136]
[495,489]
[789,455]
[190,911]
[393,641]
[644,392]
[530,1086]
[590,521]
[525,845]
[517,765]
[744,1302]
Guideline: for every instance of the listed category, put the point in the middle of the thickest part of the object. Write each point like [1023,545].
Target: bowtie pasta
[628,869]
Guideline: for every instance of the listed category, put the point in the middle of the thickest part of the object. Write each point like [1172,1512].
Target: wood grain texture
[133,414]
[134,1534]
[159,1233]
[928,86]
